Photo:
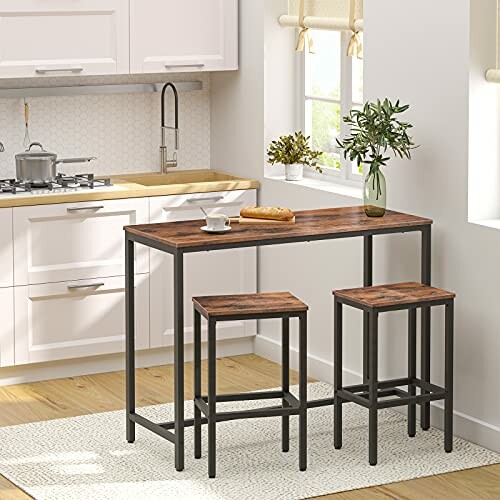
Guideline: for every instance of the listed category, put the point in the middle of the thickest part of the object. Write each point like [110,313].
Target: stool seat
[220,306]
[397,295]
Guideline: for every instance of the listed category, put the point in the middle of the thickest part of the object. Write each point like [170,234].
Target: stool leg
[197,383]
[337,376]
[303,392]
[285,381]
[373,388]
[448,383]
[412,369]
[211,398]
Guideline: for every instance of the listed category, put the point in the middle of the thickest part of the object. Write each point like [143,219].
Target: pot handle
[76,160]
[35,144]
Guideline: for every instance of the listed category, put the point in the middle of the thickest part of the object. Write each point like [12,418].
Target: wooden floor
[97,393]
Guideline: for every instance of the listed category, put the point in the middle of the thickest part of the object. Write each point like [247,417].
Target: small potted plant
[375,129]
[294,152]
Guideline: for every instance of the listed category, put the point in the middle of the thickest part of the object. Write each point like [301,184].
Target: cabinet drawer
[75,240]
[57,37]
[207,273]
[77,318]
[6,248]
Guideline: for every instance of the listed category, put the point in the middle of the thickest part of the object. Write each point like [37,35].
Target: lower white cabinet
[74,319]
[7,327]
[6,248]
[75,241]
[207,273]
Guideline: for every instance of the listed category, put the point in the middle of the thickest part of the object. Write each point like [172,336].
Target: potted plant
[375,129]
[294,152]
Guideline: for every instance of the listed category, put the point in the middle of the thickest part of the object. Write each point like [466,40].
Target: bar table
[180,238]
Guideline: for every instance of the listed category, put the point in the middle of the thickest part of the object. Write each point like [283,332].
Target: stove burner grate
[62,181]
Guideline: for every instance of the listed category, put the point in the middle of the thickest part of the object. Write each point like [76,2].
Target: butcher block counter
[138,186]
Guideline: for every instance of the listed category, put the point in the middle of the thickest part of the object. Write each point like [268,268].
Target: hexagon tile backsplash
[122,131]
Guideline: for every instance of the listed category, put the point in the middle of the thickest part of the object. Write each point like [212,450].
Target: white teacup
[217,222]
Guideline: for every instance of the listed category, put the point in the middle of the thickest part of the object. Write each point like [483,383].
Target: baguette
[270,213]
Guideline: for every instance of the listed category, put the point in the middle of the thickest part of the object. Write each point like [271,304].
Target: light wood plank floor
[105,392]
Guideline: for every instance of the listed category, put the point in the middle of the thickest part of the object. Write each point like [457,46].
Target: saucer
[225,230]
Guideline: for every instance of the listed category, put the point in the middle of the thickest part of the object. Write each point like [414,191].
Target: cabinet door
[7,328]
[192,35]
[74,319]
[6,248]
[61,37]
[76,241]
[207,273]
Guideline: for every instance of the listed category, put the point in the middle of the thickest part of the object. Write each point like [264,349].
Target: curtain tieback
[304,35]
[355,47]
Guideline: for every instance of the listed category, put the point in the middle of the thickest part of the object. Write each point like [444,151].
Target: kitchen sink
[187,177]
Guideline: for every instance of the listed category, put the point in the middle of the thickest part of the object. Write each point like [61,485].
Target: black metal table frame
[177,437]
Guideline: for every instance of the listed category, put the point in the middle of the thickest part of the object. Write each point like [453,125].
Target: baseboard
[465,426]
[114,362]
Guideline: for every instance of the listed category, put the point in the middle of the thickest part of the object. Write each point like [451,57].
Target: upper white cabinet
[6,248]
[75,241]
[64,37]
[190,35]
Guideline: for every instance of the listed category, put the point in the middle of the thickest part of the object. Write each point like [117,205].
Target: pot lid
[35,155]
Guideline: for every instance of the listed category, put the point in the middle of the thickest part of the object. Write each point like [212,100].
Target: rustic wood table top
[310,225]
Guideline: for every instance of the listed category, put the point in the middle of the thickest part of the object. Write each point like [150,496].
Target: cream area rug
[87,457]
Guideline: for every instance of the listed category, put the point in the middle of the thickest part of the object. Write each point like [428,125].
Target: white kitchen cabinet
[6,248]
[190,35]
[207,273]
[74,241]
[7,327]
[74,319]
[61,37]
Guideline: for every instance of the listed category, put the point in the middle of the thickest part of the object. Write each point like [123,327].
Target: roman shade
[324,15]
[333,15]
[493,75]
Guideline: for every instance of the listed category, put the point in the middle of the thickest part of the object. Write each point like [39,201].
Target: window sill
[491,223]
[328,186]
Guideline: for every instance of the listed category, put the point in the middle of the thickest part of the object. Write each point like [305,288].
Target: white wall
[401,61]
[122,131]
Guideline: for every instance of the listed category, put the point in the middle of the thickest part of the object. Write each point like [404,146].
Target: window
[331,85]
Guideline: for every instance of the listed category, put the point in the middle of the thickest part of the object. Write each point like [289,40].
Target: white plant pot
[294,172]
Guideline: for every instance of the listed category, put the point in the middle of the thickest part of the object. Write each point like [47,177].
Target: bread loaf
[270,213]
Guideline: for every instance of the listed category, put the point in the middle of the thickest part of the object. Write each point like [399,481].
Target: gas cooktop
[62,183]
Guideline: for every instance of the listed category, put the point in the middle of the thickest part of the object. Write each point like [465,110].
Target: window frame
[344,175]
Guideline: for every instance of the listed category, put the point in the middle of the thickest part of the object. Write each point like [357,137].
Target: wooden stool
[245,307]
[374,300]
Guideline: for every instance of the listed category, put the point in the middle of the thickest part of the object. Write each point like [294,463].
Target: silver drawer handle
[80,209]
[184,65]
[41,70]
[78,287]
[211,198]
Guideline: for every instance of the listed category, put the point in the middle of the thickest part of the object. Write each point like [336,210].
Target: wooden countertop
[310,225]
[140,186]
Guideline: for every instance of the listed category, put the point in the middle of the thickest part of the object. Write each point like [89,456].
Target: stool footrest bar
[272,411]
[153,427]
[246,396]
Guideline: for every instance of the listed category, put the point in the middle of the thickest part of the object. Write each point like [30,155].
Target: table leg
[130,340]
[425,355]
[179,359]
[367,281]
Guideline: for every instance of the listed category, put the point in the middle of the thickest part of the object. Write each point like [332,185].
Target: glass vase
[375,194]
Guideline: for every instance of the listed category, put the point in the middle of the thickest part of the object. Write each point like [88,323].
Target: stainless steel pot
[40,167]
